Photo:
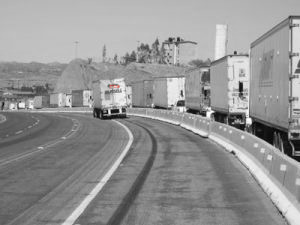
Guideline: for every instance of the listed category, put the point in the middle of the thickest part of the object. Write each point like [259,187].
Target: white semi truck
[168,91]
[197,91]
[109,98]
[229,80]
[275,86]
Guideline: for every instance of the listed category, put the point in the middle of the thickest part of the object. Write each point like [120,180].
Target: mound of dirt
[79,74]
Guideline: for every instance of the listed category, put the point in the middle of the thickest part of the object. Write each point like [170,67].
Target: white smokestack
[221,41]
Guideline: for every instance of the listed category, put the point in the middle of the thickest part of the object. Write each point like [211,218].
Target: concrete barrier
[2,118]
[278,174]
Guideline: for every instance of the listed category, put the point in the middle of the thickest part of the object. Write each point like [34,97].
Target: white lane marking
[40,149]
[20,157]
[19,132]
[82,206]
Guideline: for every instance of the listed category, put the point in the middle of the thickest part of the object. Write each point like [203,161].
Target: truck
[109,98]
[197,91]
[57,100]
[41,101]
[275,86]
[142,93]
[129,96]
[81,98]
[168,91]
[229,80]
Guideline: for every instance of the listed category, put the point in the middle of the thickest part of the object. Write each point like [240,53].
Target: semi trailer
[142,93]
[275,86]
[168,91]
[197,91]
[109,98]
[229,81]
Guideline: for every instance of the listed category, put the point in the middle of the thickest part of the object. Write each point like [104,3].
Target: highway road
[49,163]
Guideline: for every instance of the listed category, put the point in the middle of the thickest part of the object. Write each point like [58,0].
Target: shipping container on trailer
[30,103]
[58,100]
[129,95]
[142,93]
[197,90]
[87,98]
[81,98]
[275,86]
[77,98]
[109,98]
[167,91]
[42,101]
[69,100]
[229,81]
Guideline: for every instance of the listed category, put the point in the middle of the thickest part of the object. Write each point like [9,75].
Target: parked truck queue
[258,92]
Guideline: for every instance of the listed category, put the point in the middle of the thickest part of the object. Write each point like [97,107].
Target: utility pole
[76,48]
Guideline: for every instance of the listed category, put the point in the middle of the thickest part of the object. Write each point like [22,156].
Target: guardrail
[278,174]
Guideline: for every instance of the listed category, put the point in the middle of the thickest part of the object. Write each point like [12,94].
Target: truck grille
[113,111]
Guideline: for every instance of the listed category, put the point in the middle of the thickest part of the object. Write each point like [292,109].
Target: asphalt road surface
[50,162]
[174,177]
[48,169]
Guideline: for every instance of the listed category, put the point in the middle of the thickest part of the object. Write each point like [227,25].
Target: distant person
[2,106]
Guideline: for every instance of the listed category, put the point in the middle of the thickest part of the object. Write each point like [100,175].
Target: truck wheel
[94,113]
[101,115]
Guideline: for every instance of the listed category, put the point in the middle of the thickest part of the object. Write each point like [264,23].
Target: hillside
[16,75]
[79,74]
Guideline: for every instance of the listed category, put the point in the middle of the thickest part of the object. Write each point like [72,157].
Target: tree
[162,55]
[155,53]
[133,56]
[104,53]
[200,62]
[116,59]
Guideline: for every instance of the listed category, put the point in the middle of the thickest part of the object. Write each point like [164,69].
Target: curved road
[184,179]
[170,175]
[48,169]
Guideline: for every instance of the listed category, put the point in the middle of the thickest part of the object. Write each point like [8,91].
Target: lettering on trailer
[297,71]
[266,72]
[115,88]
[113,91]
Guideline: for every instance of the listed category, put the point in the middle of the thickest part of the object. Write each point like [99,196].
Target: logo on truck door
[113,86]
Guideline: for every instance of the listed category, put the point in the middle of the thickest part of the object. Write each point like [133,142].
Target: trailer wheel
[101,115]
[94,113]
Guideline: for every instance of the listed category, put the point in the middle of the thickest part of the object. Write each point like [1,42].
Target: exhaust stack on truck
[109,98]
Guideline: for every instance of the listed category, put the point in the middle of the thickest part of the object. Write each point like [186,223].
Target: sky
[46,30]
